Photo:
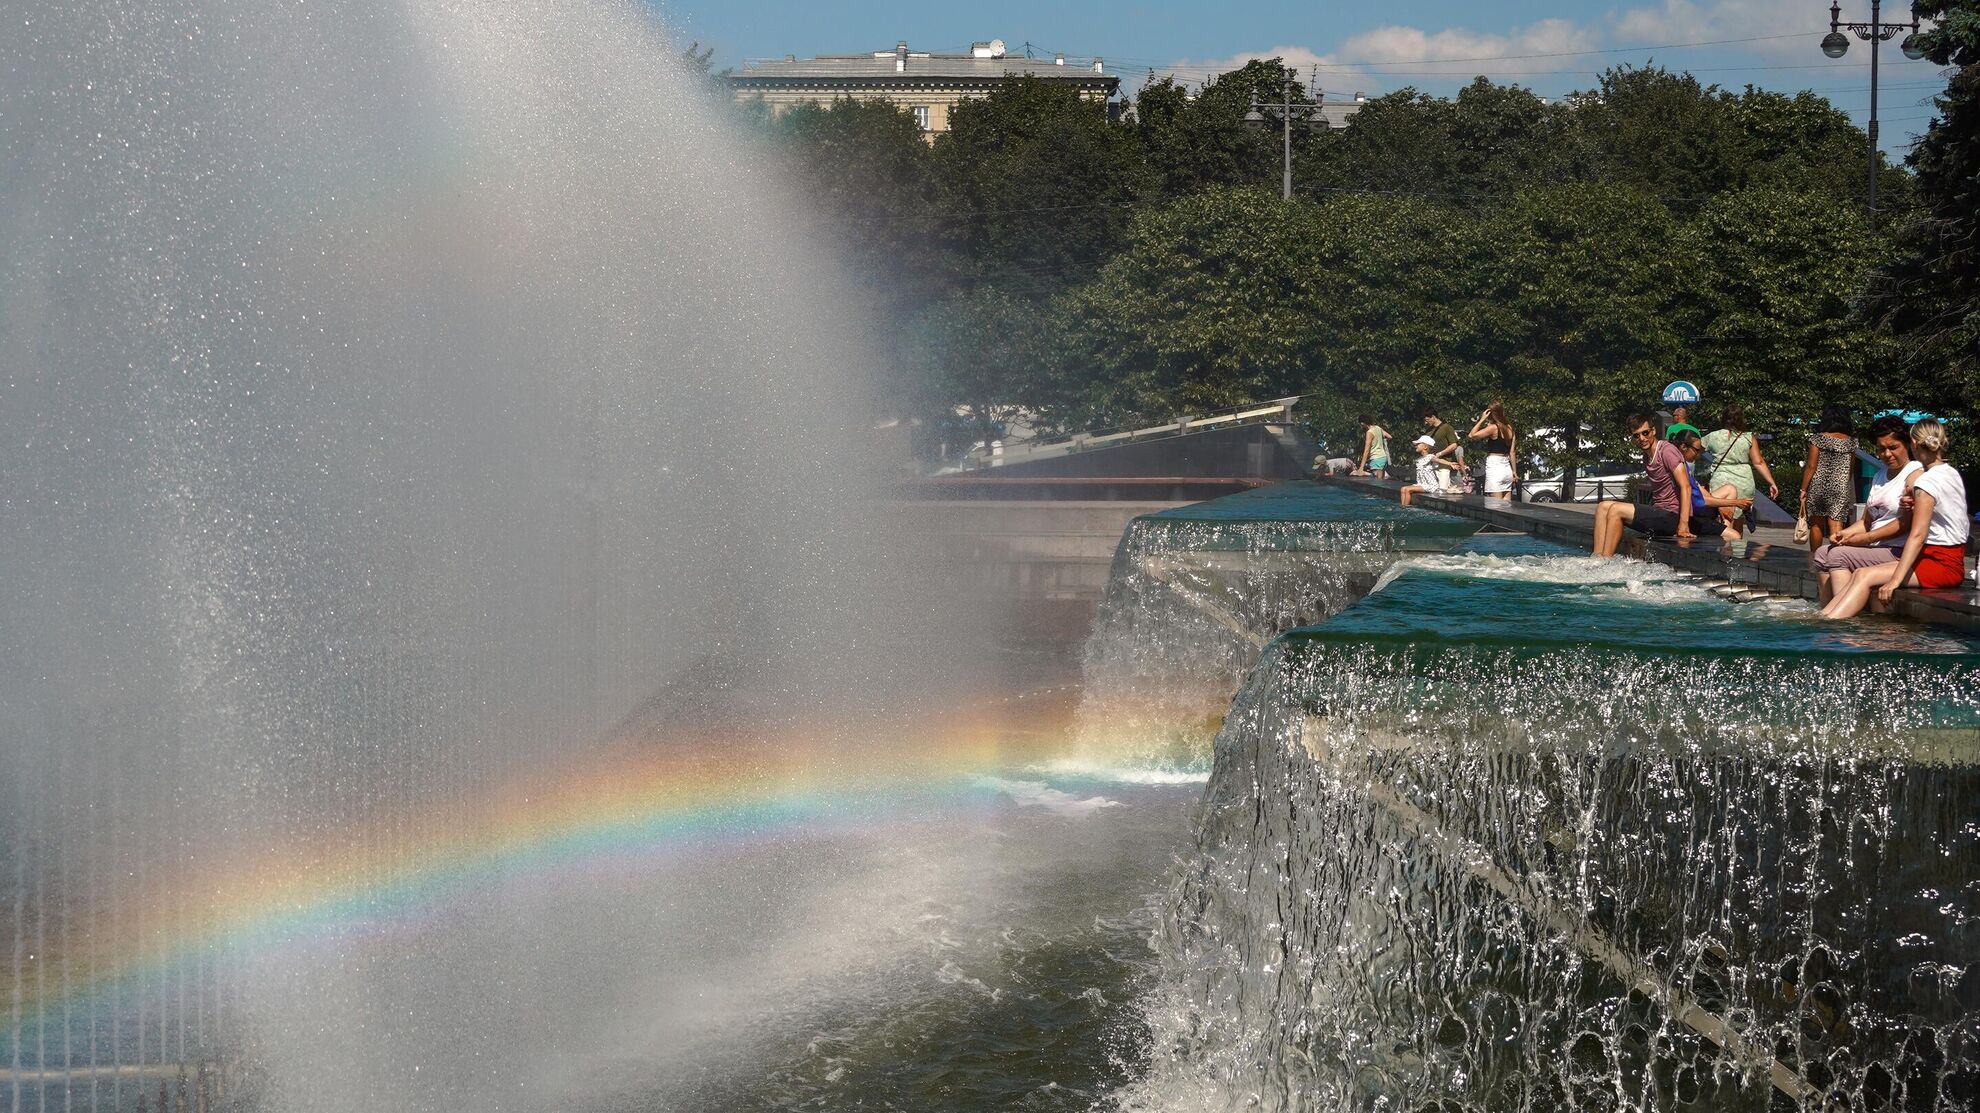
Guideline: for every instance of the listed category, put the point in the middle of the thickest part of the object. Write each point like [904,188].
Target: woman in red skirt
[1935,547]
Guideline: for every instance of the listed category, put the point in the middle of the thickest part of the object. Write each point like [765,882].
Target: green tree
[1660,132]
[1037,184]
[868,173]
[1389,317]
[1399,143]
[1569,289]
[1213,302]
[1191,143]
[1930,297]
[1763,302]
[988,352]
[1478,148]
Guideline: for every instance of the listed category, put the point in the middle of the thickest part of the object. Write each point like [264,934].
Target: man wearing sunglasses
[1670,512]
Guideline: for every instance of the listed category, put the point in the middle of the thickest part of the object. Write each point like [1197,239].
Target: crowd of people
[1913,530]
[1915,523]
[1440,463]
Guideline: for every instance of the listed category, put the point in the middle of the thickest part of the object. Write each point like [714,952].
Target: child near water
[1433,473]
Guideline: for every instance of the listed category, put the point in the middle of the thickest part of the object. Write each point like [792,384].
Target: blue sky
[1434,45]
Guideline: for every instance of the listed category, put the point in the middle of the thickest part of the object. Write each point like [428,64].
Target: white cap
[1426,442]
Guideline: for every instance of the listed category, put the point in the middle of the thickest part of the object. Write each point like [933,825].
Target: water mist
[393,397]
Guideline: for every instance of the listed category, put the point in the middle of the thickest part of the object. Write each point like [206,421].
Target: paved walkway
[1768,560]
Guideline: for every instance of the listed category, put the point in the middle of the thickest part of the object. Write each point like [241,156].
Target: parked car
[1604,479]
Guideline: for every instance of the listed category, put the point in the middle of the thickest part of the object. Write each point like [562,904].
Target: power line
[1559,53]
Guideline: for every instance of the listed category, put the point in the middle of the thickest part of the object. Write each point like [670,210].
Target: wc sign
[1680,393]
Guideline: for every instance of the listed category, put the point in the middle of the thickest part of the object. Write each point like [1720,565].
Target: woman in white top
[1879,536]
[1935,543]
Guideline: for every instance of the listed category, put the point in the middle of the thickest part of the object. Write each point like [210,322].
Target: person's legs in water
[1835,582]
[1610,517]
[1853,596]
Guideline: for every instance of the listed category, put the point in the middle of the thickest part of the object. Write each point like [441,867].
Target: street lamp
[1835,44]
[1261,114]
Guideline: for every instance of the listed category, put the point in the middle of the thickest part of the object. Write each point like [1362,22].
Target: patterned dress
[1830,492]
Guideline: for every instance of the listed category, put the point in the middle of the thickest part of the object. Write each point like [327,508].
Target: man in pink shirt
[1670,512]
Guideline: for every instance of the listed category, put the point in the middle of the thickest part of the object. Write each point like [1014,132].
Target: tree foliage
[1036,182]
[1930,295]
[871,179]
[1568,256]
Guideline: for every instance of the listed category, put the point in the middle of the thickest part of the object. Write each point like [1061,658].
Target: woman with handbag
[1737,458]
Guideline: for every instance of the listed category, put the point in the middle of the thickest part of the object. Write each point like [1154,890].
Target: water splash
[1196,592]
[1640,865]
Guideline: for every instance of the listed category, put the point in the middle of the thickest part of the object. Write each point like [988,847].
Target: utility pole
[1261,114]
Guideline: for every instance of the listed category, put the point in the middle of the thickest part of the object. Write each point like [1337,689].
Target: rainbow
[638,796]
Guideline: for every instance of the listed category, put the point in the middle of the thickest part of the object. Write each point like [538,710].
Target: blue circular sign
[1680,393]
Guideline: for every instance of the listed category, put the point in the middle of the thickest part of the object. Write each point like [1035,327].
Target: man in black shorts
[1669,514]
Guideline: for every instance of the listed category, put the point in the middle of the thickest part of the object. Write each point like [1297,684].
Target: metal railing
[990,456]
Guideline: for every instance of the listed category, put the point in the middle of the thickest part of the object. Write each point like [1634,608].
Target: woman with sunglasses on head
[1934,553]
[1880,536]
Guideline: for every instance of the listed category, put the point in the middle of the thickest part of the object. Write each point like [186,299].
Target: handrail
[992,456]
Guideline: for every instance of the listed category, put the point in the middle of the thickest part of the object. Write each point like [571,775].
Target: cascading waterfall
[1196,592]
[1554,834]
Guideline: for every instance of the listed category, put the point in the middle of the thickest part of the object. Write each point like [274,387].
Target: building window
[921,116]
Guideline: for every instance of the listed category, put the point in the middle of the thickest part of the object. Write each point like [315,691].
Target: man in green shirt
[1446,438]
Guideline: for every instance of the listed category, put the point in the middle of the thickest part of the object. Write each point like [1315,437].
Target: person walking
[1737,458]
[1501,443]
[1934,553]
[1828,490]
[1879,538]
[1374,448]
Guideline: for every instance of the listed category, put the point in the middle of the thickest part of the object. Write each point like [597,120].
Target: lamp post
[1261,114]
[1835,44]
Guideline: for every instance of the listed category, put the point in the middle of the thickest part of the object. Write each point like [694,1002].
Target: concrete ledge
[1779,568]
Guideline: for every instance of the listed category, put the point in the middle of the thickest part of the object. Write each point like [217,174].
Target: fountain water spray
[392,398]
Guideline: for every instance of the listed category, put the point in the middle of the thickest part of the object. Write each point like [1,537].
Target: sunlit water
[444,631]
[1543,832]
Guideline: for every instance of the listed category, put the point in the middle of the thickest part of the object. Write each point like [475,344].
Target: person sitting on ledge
[1709,515]
[1669,514]
[1879,537]
[1934,548]
[1430,470]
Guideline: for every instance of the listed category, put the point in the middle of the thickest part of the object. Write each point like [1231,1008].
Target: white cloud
[1390,57]
[1778,38]
[1685,21]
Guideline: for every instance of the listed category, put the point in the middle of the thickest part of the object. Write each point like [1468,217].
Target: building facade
[927,84]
